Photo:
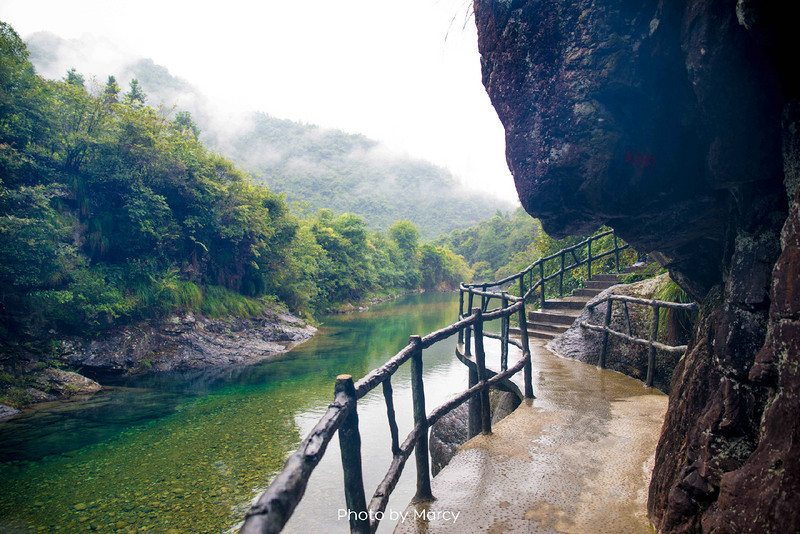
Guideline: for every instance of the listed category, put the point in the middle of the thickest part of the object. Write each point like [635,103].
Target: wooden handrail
[685,306]
[673,349]
[275,506]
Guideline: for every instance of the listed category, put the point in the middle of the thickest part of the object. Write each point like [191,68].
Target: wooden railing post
[607,323]
[589,262]
[480,364]
[541,278]
[420,420]
[350,445]
[627,317]
[390,415]
[522,285]
[461,314]
[473,407]
[651,356]
[527,372]
[561,277]
[504,333]
[468,338]
[616,251]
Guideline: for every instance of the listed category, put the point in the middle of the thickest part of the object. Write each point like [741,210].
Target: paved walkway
[577,459]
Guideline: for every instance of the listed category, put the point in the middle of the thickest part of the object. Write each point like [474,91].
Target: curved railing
[276,504]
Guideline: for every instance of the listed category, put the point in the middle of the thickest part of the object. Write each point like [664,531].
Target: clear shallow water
[185,452]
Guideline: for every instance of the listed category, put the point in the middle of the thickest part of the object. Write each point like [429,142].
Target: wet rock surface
[676,123]
[643,115]
[447,435]
[7,411]
[59,383]
[450,432]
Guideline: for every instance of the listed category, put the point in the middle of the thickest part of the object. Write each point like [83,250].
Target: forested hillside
[113,211]
[315,167]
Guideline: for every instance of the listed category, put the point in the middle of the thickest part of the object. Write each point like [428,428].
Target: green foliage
[674,326]
[135,95]
[649,271]
[221,302]
[113,211]
[495,246]
[110,211]
[441,268]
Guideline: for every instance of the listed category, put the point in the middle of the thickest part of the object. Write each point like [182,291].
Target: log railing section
[651,343]
[275,505]
[536,270]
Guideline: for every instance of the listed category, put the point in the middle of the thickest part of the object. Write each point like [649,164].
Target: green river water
[186,452]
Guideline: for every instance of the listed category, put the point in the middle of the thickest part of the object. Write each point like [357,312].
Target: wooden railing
[651,342]
[537,270]
[275,506]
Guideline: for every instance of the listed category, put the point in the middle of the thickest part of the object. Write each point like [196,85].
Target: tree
[135,96]
[111,90]
[406,236]
[185,124]
[74,78]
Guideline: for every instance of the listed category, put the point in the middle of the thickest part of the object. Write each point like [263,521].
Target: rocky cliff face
[676,123]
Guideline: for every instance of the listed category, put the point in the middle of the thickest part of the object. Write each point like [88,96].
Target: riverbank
[178,342]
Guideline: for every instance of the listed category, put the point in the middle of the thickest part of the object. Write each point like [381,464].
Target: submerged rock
[7,411]
[62,383]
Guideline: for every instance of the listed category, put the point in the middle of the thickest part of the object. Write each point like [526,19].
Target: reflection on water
[184,452]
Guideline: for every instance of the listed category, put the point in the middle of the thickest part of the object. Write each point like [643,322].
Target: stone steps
[557,315]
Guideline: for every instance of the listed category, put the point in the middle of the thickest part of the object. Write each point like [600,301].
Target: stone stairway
[558,314]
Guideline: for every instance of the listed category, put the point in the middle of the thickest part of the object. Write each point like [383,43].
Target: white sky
[406,72]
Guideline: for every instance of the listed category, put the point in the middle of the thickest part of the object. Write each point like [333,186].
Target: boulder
[64,383]
[186,341]
[586,345]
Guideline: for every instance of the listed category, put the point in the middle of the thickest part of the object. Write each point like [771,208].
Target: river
[186,452]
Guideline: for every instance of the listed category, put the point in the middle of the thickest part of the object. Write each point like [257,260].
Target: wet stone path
[577,459]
